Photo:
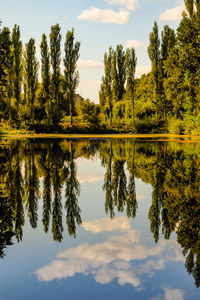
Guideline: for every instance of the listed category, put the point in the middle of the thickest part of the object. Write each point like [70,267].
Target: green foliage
[157,102]
[31,71]
[70,72]
[88,111]
[17,64]
[176,126]
[55,41]
[45,73]
[117,103]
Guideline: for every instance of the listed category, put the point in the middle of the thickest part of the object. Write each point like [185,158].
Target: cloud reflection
[122,256]
[170,294]
[122,224]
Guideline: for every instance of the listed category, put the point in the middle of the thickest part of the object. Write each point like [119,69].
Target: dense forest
[164,101]
[44,173]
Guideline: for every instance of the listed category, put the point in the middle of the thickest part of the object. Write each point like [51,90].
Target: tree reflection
[132,203]
[32,188]
[71,194]
[31,169]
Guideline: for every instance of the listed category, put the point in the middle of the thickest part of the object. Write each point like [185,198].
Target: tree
[45,70]
[71,194]
[71,74]
[31,70]
[115,86]
[182,81]
[2,64]
[121,70]
[17,64]
[5,73]
[154,55]
[168,42]
[131,62]
[107,84]
[55,40]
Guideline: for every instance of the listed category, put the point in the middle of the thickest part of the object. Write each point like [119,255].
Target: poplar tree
[102,97]
[115,85]
[121,68]
[107,84]
[131,62]
[17,64]
[6,67]
[9,70]
[2,74]
[168,41]
[154,55]
[45,69]
[71,74]
[31,70]
[55,53]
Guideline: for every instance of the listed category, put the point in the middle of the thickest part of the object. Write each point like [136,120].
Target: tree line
[23,99]
[166,99]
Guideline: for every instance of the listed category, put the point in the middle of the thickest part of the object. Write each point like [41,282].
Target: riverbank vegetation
[166,100]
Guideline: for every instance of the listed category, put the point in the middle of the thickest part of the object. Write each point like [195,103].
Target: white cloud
[134,44]
[114,259]
[90,178]
[128,4]
[142,70]
[95,226]
[172,14]
[89,64]
[106,261]
[170,294]
[105,16]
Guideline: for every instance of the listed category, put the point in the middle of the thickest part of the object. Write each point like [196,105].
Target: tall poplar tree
[55,41]
[107,85]
[115,86]
[168,42]
[121,68]
[31,70]
[131,62]
[71,74]
[17,64]
[8,70]
[154,55]
[5,73]
[45,70]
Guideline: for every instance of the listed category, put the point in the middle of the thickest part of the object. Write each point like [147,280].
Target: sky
[98,24]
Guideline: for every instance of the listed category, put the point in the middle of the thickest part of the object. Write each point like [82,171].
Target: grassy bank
[143,137]
[86,131]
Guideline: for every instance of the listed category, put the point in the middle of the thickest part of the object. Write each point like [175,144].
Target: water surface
[99,219]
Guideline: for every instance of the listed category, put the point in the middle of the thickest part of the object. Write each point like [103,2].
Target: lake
[99,219]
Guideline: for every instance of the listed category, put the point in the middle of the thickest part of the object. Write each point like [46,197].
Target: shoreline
[157,137]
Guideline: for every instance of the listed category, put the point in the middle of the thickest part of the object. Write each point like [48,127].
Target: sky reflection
[122,256]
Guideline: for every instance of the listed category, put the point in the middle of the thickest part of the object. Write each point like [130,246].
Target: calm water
[99,219]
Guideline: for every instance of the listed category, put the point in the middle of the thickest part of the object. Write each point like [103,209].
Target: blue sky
[98,24]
